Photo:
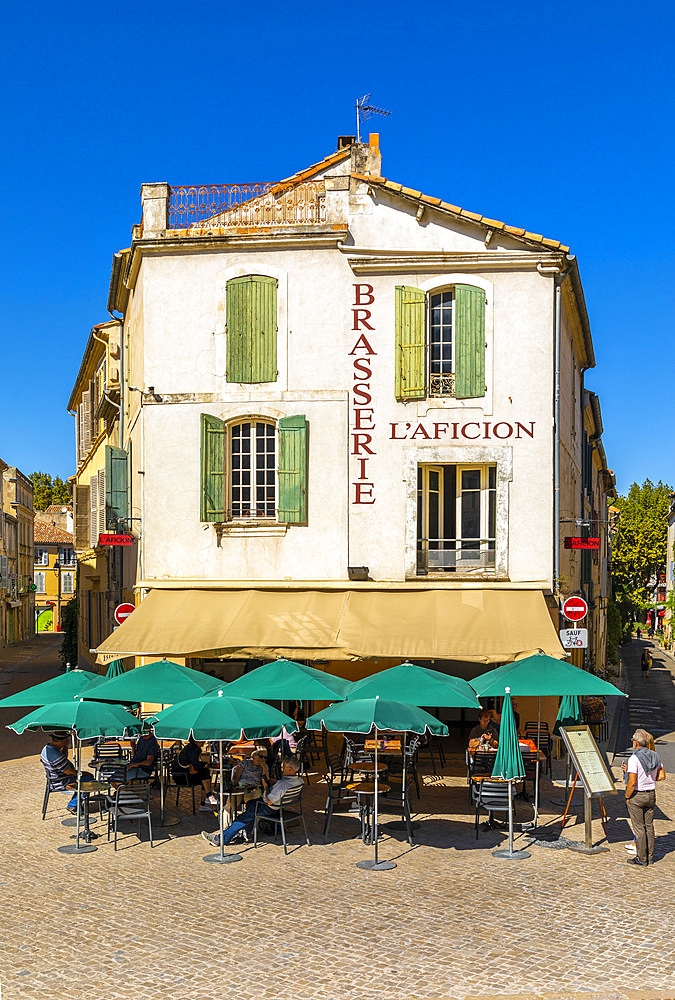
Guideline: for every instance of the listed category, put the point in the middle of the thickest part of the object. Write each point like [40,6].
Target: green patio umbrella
[161,682]
[569,713]
[217,716]
[115,669]
[416,685]
[538,676]
[282,680]
[362,715]
[61,688]
[509,767]
[85,720]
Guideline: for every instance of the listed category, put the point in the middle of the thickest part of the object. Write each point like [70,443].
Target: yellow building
[16,565]
[53,574]
[99,487]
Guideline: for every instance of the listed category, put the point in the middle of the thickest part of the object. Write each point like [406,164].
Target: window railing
[455,555]
[441,385]
[226,206]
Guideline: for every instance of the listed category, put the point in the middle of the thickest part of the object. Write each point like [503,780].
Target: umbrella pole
[510,854]
[77,848]
[369,864]
[376,789]
[221,858]
[536,772]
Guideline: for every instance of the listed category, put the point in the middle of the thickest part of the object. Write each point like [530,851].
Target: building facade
[99,486]
[16,564]
[54,573]
[356,426]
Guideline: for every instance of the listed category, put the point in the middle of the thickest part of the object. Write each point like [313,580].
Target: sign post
[574,638]
[595,778]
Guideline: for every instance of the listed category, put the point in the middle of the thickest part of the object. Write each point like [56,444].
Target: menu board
[588,760]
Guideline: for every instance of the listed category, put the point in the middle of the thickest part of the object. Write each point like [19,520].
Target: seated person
[61,773]
[189,770]
[485,735]
[289,741]
[145,754]
[269,806]
[252,775]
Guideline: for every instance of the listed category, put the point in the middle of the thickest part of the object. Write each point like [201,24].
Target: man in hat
[61,773]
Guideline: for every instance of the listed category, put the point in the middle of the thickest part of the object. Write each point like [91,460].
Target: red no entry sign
[575,608]
[122,611]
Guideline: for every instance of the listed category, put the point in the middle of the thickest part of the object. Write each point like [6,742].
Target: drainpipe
[558,278]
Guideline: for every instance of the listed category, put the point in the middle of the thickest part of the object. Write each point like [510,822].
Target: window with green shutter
[440,343]
[212,494]
[469,342]
[410,343]
[251,315]
[293,470]
[115,489]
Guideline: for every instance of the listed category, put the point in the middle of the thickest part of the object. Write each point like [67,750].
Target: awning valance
[482,625]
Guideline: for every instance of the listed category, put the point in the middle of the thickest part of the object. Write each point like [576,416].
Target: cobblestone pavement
[450,921]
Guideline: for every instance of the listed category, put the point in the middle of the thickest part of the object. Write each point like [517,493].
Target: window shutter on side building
[81,517]
[251,329]
[212,494]
[115,488]
[469,342]
[410,364]
[293,470]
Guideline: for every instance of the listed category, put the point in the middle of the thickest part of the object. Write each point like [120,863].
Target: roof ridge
[461,213]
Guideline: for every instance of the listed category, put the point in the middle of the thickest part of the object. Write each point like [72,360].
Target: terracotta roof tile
[49,534]
[59,508]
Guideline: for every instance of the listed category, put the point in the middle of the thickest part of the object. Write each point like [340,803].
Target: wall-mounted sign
[115,539]
[456,430]
[582,543]
[575,608]
[122,612]
[574,638]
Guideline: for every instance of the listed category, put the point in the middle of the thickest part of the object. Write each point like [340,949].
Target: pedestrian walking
[644,770]
[645,662]
[639,634]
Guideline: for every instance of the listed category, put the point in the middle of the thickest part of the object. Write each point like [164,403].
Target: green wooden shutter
[410,344]
[252,329]
[469,341]
[212,505]
[293,470]
[115,489]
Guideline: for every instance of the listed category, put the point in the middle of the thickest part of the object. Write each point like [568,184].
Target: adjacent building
[53,572]
[99,485]
[355,427]
[17,610]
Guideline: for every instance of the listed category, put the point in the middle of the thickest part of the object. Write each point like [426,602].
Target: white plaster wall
[183,305]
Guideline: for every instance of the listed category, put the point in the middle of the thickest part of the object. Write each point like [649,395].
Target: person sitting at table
[145,754]
[252,775]
[485,735]
[189,769]
[269,806]
[61,773]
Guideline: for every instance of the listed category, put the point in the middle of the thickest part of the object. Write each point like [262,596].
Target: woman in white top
[644,770]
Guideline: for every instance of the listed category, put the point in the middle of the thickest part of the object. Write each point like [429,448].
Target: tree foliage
[47,490]
[639,547]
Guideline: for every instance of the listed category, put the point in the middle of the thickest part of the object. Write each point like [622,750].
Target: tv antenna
[365,110]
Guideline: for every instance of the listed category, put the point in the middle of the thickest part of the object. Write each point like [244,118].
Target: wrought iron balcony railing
[455,555]
[227,206]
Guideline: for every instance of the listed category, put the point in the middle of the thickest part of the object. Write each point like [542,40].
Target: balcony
[222,208]
[460,556]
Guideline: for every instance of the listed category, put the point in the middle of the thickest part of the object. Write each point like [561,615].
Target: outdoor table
[86,787]
[368,767]
[365,791]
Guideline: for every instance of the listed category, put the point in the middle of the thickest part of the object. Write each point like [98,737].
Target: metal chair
[49,788]
[302,754]
[493,796]
[542,739]
[180,775]
[130,802]
[335,779]
[479,763]
[283,819]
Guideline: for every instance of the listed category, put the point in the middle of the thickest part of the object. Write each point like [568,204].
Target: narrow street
[652,698]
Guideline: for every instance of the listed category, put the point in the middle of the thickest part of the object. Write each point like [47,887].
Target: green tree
[47,490]
[639,547]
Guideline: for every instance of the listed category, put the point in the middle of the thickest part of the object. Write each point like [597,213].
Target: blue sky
[558,119]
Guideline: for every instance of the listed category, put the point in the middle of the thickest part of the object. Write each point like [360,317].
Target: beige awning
[476,624]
